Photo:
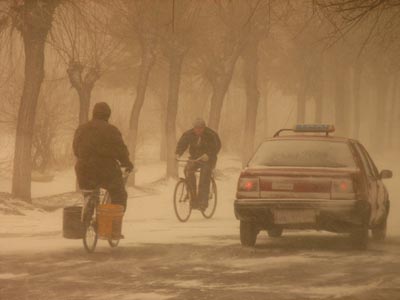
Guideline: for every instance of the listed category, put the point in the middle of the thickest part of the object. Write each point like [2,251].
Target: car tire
[379,232]
[248,234]
[275,232]
[359,238]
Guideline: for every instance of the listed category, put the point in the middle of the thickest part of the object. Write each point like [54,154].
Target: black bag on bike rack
[73,227]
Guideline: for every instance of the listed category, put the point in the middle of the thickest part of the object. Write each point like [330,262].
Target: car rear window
[303,153]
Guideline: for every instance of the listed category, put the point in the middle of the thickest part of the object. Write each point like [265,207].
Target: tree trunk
[175,69]
[34,74]
[141,87]
[391,113]
[217,101]
[250,72]
[319,92]
[302,94]
[341,97]
[84,104]
[220,83]
[163,142]
[379,137]
[265,111]
[356,99]
[319,105]
[301,104]
[83,83]
[33,19]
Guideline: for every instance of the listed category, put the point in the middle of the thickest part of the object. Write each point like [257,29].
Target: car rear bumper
[331,215]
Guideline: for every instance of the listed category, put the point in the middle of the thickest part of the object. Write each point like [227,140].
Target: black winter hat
[101,111]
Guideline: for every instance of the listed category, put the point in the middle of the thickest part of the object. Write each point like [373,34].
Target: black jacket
[100,150]
[208,143]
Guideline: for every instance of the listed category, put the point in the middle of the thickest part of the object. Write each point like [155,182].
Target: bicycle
[92,200]
[183,198]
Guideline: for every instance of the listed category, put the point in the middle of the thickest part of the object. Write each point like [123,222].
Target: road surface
[161,258]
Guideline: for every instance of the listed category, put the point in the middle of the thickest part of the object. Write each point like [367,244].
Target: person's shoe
[195,204]
[203,205]
[121,237]
[210,196]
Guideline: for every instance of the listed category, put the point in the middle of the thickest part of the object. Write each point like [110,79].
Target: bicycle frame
[195,161]
[92,199]
[213,191]
[102,197]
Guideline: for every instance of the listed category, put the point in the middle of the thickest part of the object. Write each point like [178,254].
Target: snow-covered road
[161,258]
[301,266]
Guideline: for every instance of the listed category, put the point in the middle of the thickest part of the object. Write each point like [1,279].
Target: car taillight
[248,184]
[342,186]
[342,189]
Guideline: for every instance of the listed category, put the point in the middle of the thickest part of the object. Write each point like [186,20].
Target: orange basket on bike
[109,221]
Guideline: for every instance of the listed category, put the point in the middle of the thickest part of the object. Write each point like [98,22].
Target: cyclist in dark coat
[101,152]
[204,145]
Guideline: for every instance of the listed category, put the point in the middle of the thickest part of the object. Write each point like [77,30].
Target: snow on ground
[149,218]
[12,276]
[162,258]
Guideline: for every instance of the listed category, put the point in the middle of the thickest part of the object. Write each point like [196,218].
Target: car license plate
[282,186]
[294,216]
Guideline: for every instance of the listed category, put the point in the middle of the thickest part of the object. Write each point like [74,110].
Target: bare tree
[259,23]
[33,19]
[141,23]
[223,42]
[379,18]
[55,118]
[81,37]
[178,38]
[356,88]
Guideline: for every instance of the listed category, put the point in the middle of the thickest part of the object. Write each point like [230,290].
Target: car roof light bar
[311,128]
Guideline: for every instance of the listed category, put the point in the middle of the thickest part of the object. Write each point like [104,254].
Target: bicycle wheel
[90,238]
[212,201]
[182,201]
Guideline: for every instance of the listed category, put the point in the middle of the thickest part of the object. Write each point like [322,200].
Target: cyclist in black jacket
[204,145]
[101,152]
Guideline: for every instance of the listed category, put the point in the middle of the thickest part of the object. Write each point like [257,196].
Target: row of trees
[231,61]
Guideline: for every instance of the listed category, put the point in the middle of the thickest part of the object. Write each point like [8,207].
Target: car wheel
[379,232]
[275,232]
[359,238]
[248,234]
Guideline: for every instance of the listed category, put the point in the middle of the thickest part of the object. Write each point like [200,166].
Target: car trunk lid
[300,183]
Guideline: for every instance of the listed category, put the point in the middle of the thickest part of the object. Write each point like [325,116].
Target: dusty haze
[247,67]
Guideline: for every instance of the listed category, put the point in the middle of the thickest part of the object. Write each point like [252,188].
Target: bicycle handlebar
[126,173]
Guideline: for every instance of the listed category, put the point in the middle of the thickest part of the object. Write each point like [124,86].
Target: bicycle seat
[89,193]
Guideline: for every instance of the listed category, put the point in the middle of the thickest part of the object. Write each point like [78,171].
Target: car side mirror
[386,174]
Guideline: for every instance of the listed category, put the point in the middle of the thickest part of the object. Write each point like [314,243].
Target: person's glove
[129,167]
[204,158]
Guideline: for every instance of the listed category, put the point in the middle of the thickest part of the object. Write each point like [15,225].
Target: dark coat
[100,150]
[208,143]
